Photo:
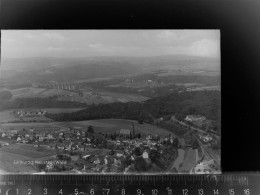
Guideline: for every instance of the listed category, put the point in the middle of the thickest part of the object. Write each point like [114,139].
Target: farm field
[20,152]
[189,160]
[114,125]
[137,85]
[103,97]
[38,126]
[30,92]
[62,110]
[100,126]
[7,116]
[122,97]
[217,87]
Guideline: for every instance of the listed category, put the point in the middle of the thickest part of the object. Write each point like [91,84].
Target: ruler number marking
[92,191]
[45,191]
[29,191]
[185,192]
[139,192]
[60,192]
[200,191]
[154,191]
[76,191]
[231,191]
[123,191]
[106,191]
[246,191]
[215,192]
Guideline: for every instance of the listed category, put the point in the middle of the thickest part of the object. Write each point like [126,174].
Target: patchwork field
[62,110]
[8,116]
[114,125]
[102,97]
[30,92]
[9,155]
[101,125]
[122,97]
[39,126]
[189,160]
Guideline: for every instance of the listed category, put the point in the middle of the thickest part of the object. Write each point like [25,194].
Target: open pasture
[21,152]
[27,151]
[123,97]
[114,125]
[31,92]
[100,126]
[38,126]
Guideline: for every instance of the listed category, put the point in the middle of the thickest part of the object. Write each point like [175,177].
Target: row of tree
[206,103]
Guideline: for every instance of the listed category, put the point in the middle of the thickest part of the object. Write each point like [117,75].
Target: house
[49,136]
[61,146]
[195,118]
[149,137]
[4,134]
[105,161]
[18,139]
[119,154]
[145,155]
[97,161]
[125,132]
[206,138]
[205,167]
[86,156]
[81,148]
[4,143]
[9,133]
[27,136]
[40,138]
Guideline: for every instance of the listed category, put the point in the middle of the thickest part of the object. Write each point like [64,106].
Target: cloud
[95,45]
[62,48]
[167,34]
[47,36]
[54,36]
[205,47]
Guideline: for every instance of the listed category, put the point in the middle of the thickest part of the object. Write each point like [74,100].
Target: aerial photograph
[110,101]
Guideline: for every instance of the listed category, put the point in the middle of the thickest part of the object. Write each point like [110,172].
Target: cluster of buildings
[206,167]
[110,156]
[199,121]
[29,113]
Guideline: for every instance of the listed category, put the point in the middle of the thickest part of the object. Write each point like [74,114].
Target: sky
[87,43]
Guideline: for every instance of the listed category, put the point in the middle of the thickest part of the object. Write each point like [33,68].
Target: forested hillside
[38,103]
[205,103]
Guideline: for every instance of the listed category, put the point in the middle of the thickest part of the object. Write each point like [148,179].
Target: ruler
[224,184]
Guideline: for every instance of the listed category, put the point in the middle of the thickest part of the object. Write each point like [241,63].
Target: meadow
[9,156]
[100,126]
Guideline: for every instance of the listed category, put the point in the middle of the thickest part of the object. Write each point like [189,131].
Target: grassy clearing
[31,92]
[101,126]
[21,152]
[6,116]
[38,127]
[189,160]
[114,125]
[62,110]
[27,151]
[123,97]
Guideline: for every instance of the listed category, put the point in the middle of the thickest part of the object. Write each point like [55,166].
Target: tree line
[205,103]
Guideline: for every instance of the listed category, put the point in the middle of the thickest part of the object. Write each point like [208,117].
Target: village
[124,151]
